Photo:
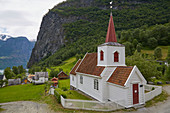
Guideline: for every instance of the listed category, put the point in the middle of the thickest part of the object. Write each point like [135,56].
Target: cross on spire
[111,35]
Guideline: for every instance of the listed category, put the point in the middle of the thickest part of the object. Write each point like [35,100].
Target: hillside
[14,51]
[79,26]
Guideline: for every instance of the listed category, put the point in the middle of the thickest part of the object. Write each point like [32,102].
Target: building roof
[120,75]
[73,71]
[89,65]
[54,79]
[111,35]
[62,74]
[1,77]
[111,44]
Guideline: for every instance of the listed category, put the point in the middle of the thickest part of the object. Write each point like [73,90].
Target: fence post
[83,105]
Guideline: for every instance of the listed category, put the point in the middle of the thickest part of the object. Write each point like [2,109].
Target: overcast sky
[23,17]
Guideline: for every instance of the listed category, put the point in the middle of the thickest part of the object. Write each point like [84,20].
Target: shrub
[64,95]
[57,95]
[64,88]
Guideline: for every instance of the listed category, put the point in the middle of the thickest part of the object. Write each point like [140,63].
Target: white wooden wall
[88,86]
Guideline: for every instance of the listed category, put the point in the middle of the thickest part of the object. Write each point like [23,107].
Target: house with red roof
[105,76]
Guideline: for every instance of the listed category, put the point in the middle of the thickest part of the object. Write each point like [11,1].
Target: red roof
[111,35]
[54,79]
[89,65]
[75,67]
[62,75]
[120,75]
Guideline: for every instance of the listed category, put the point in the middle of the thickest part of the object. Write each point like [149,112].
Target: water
[1,71]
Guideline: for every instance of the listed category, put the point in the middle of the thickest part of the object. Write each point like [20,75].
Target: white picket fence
[90,105]
[152,93]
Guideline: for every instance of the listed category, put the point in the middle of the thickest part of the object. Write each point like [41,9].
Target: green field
[64,83]
[69,93]
[21,93]
[67,65]
[164,51]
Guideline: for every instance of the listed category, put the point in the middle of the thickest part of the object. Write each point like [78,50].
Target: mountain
[14,51]
[79,26]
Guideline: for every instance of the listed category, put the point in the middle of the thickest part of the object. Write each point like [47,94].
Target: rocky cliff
[51,35]
[75,27]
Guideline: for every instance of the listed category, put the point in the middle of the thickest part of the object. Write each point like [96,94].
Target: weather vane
[111,5]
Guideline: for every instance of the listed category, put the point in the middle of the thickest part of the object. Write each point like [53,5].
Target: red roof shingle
[89,65]
[75,67]
[120,75]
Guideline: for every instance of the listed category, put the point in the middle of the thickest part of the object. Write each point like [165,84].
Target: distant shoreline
[2,71]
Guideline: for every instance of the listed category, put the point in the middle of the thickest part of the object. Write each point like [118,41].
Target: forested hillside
[135,25]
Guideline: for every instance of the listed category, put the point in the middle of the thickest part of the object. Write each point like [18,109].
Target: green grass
[1,109]
[64,83]
[164,51]
[160,98]
[21,93]
[71,94]
[67,65]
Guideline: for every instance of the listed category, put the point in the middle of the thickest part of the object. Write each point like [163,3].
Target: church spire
[111,35]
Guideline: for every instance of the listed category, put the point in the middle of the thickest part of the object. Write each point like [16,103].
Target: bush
[64,88]
[64,95]
[57,95]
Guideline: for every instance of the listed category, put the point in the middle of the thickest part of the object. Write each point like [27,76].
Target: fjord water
[1,71]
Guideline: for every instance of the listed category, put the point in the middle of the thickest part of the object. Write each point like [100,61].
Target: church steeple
[111,35]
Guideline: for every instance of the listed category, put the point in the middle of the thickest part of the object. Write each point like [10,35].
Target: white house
[105,76]
[40,77]
[2,77]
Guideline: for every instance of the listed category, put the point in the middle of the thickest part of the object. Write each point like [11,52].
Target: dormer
[111,53]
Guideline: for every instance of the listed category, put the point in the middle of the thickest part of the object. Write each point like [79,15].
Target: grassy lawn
[21,93]
[71,94]
[66,66]
[64,83]
[164,51]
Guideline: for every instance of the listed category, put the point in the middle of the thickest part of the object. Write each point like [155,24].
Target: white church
[105,77]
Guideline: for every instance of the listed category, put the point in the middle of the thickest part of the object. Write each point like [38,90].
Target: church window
[81,79]
[96,84]
[72,78]
[101,55]
[116,57]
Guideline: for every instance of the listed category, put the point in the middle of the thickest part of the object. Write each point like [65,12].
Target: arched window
[101,55]
[116,57]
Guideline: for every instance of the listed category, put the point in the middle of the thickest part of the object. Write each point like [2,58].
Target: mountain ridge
[14,51]
[82,24]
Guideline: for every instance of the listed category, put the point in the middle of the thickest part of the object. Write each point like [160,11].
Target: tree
[152,43]
[135,42]
[15,70]
[168,73]
[158,53]
[7,73]
[147,67]
[128,48]
[44,69]
[138,47]
[53,73]
[168,55]
[21,69]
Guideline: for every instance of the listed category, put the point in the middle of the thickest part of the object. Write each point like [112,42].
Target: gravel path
[25,107]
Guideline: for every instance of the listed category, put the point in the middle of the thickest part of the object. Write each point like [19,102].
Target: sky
[23,17]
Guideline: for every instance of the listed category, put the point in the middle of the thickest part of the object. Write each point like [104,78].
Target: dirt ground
[25,107]
[34,107]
